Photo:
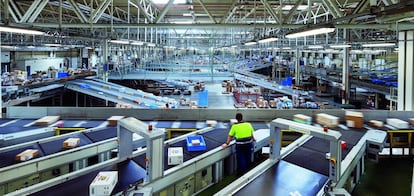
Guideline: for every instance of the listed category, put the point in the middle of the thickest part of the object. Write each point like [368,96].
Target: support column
[345,71]
[297,68]
[405,71]
[105,61]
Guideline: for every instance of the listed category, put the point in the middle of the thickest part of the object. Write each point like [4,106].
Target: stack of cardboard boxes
[354,119]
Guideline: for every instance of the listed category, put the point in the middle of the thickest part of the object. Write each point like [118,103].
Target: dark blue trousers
[244,157]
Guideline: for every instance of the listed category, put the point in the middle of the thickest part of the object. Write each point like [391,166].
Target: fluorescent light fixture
[234,46]
[378,45]
[31,47]
[150,44]
[340,46]
[315,47]
[182,22]
[118,41]
[310,32]
[286,48]
[163,2]
[136,43]
[250,43]
[289,7]
[20,30]
[270,39]
[191,14]
[53,45]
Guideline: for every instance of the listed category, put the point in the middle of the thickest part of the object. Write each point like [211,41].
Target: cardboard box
[327,120]
[411,121]
[71,143]
[175,155]
[113,120]
[356,117]
[27,155]
[211,123]
[376,123]
[302,118]
[397,123]
[104,183]
[47,120]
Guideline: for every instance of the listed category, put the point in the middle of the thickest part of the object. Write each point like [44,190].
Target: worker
[243,133]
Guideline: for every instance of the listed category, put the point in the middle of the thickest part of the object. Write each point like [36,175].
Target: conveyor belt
[128,171]
[56,146]
[103,134]
[18,125]
[9,158]
[285,178]
[312,154]
[82,123]
[187,155]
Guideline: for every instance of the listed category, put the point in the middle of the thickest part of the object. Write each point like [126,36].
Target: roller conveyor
[285,178]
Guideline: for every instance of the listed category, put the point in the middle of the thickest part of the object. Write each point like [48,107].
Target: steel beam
[30,11]
[164,11]
[208,12]
[229,12]
[291,12]
[148,16]
[390,26]
[37,11]
[96,14]
[270,10]
[14,11]
[360,7]
[77,11]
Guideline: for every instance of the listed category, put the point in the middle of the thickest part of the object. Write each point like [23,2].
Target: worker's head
[239,117]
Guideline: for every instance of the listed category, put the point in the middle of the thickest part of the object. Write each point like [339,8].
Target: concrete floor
[216,99]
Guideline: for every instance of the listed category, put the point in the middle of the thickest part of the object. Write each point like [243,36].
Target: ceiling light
[163,2]
[31,47]
[150,44]
[286,48]
[114,41]
[340,46]
[20,30]
[250,43]
[378,45]
[270,39]
[234,46]
[53,45]
[315,47]
[310,32]
[136,43]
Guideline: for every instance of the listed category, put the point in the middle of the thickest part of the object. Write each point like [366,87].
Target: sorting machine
[143,167]
[59,171]
[315,164]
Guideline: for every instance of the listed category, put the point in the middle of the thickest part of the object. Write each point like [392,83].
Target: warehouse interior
[136,97]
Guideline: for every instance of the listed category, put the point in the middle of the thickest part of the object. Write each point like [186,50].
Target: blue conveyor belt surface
[56,146]
[129,173]
[285,178]
[9,158]
[19,125]
[104,134]
[312,154]
[82,123]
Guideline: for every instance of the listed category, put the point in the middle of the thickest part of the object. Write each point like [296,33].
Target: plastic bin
[200,147]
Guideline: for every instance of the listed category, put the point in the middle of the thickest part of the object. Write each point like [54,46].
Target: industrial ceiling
[211,23]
